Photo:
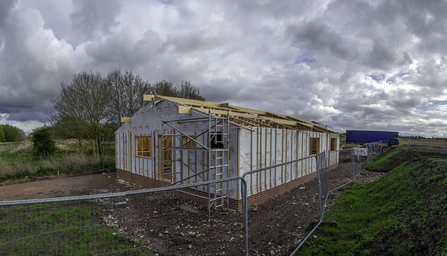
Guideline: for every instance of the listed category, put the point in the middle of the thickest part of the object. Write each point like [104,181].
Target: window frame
[150,150]
[311,143]
[333,145]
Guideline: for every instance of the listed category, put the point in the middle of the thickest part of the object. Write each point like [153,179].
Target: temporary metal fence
[358,157]
[127,223]
[107,154]
[274,236]
[141,221]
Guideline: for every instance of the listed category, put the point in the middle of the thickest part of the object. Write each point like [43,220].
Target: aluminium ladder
[216,162]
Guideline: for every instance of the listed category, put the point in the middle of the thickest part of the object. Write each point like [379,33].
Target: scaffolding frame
[216,166]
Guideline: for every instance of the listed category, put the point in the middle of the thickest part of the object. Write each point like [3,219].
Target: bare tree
[89,103]
[188,91]
[127,92]
[85,100]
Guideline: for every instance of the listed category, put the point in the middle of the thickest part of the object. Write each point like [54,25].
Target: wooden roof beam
[125,120]
[260,123]
[181,101]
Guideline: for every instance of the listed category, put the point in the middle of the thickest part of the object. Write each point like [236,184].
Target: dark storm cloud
[5,8]
[348,64]
[28,116]
[319,37]
[32,65]
[25,113]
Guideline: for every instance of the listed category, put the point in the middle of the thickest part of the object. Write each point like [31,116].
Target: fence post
[244,214]
[353,164]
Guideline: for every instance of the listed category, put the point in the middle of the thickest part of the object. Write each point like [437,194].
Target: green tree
[2,134]
[43,143]
[69,127]
[12,133]
[164,88]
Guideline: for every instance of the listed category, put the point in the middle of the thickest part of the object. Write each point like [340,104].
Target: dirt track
[60,186]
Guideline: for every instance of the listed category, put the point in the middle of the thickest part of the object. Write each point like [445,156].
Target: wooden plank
[221,112]
[279,121]
[205,111]
[288,122]
[247,110]
[184,101]
[183,110]
[125,119]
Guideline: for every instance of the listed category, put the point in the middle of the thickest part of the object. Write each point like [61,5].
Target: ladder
[216,161]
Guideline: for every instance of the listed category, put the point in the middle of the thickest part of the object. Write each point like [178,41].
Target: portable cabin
[178,141]
[362,136]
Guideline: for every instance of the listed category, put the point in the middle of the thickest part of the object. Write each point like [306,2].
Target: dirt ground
[170,225]
[60,186]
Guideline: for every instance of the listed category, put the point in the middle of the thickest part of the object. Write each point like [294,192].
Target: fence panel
[323,178]
[276,227]
[160,221]
[130,223]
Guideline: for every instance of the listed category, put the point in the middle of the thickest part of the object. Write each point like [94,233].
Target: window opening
[216,141]
[333,144]
[143,146]
[314,146]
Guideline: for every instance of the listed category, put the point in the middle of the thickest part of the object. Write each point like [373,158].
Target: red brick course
[234,204]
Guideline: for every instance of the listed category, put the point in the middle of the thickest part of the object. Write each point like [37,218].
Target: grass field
[17,162]
[41,229]
[402,213]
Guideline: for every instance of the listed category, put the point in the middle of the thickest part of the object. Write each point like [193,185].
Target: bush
[43,143]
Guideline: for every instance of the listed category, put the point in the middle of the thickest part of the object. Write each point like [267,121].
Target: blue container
[361,137]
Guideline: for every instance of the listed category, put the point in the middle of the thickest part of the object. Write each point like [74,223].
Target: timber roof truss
[244,117]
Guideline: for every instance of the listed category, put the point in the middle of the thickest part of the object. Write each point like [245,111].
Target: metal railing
[140,222]
[133,222]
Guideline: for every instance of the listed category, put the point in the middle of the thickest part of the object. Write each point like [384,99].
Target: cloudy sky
[349,64]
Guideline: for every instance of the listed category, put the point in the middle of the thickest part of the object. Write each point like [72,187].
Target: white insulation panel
[148,122]
[249,150]
[269,146]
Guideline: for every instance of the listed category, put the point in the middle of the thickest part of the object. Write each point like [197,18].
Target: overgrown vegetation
[18,162]
[43,143]
[402,213]
[42,229]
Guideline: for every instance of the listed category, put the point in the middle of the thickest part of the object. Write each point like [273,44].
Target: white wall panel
[261,148]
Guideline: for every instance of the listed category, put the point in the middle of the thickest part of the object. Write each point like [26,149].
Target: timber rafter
[241,116]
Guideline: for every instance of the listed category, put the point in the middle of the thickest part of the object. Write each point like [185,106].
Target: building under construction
[177,141]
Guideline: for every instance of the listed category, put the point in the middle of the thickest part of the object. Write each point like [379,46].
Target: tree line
[91,105]
[9,133]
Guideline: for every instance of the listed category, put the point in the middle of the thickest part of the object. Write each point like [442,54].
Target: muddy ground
[169,225]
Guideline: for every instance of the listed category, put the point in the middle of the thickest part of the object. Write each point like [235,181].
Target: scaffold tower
[216,148]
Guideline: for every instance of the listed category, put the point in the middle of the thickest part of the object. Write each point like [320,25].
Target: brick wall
[234,204]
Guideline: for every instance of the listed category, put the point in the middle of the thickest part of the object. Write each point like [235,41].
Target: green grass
[72,228]
[19,166]
[402,213]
